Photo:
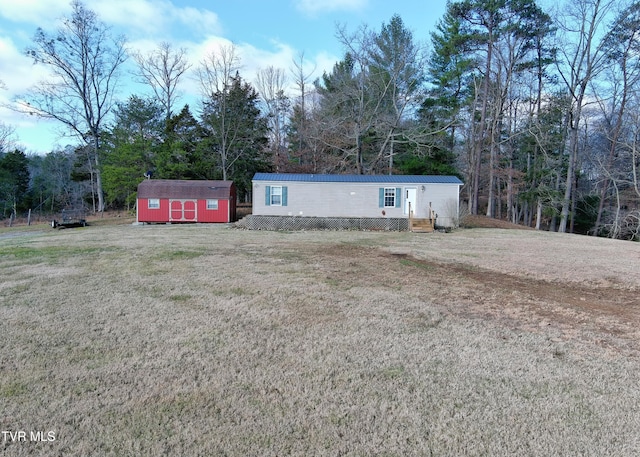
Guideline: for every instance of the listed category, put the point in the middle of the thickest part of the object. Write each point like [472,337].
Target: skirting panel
[253,222]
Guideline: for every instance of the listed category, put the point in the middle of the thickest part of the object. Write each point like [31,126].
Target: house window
[212,204]
[389,197]
[154,203]
[276,196]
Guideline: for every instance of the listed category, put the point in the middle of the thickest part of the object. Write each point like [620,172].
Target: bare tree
[231,117]
[397,63]
[582,58]
[162,69]
[84,61]
[368,94]
[7,133]
[215,71]
[302,145]
[215,75]
[301,78]
[369,101]
[270,83]
[623,44]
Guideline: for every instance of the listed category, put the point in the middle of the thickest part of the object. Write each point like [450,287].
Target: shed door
[410,198]
[183,210]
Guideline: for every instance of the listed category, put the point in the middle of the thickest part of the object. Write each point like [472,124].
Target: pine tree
[181,154]
[129,148]
[236,132]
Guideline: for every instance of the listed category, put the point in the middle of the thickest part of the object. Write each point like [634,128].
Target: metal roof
[381,179]
[180,188]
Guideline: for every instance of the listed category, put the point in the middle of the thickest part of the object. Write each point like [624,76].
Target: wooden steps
[422,225]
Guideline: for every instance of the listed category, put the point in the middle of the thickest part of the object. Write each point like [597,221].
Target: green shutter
[398,197]
[381,197]
[284,195]
[267,195]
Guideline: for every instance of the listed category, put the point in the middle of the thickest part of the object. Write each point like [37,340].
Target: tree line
[537,112]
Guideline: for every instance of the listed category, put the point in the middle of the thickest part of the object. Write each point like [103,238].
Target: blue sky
[265,33]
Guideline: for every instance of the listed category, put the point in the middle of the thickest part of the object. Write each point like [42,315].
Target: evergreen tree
[449,76]
[181,155]
[481,49]
[235,133]
[367,104]
[130,149]
[14,182]
[396,64]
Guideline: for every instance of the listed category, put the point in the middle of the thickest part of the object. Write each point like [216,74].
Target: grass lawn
[122,340]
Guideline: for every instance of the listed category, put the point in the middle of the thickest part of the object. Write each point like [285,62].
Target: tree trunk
[391,152]
[96,155]
[566,200]
[492,182]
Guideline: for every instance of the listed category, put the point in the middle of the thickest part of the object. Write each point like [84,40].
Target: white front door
[410,199]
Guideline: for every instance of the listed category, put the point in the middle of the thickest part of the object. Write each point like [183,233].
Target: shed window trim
[212,204]
[153,203]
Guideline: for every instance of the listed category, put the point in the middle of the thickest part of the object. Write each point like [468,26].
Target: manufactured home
[357,196]
[182,201]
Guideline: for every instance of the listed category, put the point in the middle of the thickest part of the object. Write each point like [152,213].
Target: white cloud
[253,59]
[213,44]
[313,7]
[155,18]
[201,21]
[256,59]
[37,12]
[139,16]
[146,23]
[134,17]
[18,74]
[17,71]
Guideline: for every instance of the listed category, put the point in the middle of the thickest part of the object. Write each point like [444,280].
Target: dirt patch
[574,310]
[538,301]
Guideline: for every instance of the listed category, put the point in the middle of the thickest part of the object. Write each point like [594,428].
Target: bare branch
[215,71]
[84,62]
[162,70]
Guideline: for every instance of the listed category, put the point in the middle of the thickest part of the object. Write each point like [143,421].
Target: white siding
[344,199]
[444,200]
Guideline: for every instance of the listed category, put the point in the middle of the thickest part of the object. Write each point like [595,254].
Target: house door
[183,211]
[410,199]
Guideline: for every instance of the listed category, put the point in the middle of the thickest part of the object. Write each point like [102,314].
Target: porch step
[422,225]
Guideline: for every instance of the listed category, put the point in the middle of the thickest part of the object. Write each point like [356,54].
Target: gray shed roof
[377,179]
[181,188]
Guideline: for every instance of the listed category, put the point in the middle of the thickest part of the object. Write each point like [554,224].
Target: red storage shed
[179,201]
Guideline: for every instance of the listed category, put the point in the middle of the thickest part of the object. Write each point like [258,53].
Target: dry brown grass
[478,221]
[205,340]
